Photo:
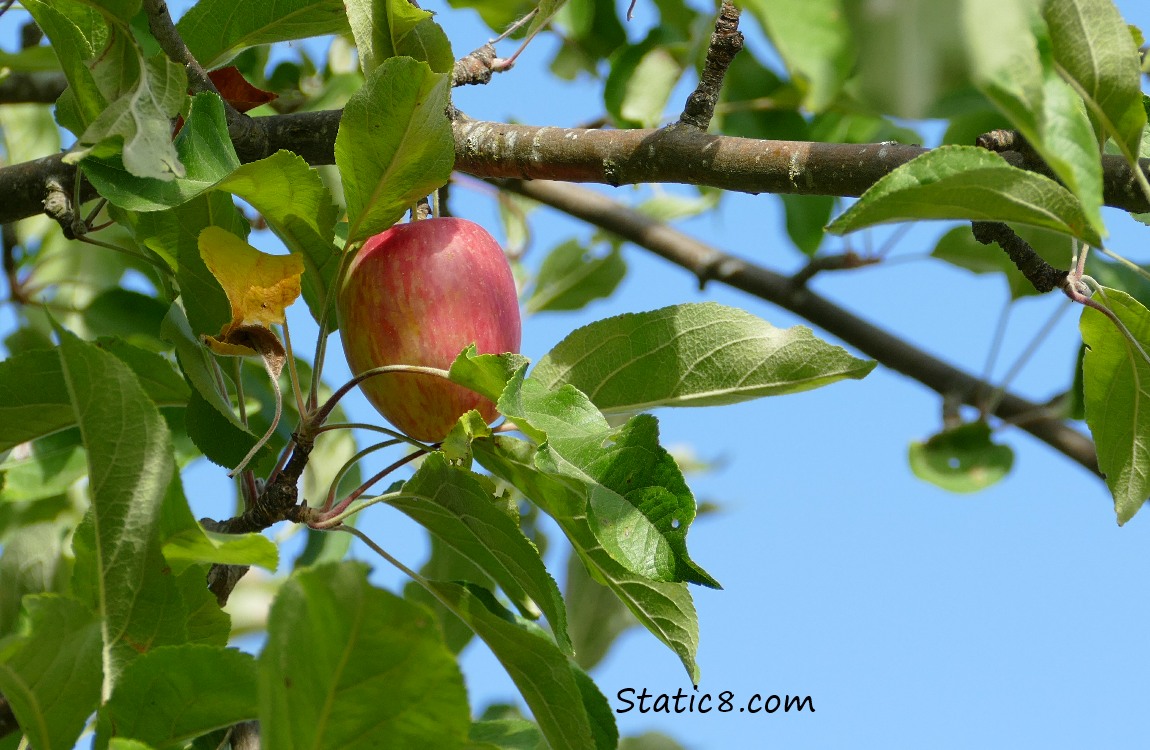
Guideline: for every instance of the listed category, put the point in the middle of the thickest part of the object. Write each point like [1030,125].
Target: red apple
[418,294]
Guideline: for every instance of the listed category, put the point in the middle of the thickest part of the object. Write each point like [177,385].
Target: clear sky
[912,617]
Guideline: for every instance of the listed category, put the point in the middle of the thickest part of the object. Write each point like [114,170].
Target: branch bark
[613,157]
[709,263]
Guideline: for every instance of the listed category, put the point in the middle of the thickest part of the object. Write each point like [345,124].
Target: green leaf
[197,364]
[188,690]
[640,84]
[394,144]
[156,374]
[1015,70]
[205,622]
[50,673]
[203,146]
[186,543]
[635,497]
[544,676]
[665,609]
[961,459]
[814,41]
[349,666]
[33,398]
[31,563]
[1116,380]
[221,441]
[486,374]
[217,30]
[299,208]
[806,217]
[691,355]
[966,182]
[136,121]
[173,234]
[1096,55]
[392,28]
[598,615]
[445,564]
[507,734]
[571,277]
[130,315]
[454,505]
[129,467]
[74,49]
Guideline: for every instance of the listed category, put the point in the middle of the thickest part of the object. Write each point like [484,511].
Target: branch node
[725,44]
[59,206]
[1037,271]
[476,67]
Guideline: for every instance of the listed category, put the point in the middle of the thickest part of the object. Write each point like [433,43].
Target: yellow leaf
[258,285]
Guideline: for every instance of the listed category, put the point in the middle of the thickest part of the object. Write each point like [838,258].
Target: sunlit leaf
[691,355]
[1116,380]
[961,459]
[217,30]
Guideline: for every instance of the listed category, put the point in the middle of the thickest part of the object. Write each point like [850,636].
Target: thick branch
[614,157]
[708,263]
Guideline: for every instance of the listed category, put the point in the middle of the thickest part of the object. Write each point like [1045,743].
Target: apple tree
[145,155]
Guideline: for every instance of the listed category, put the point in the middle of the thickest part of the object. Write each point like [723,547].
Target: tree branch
[725,44]
[614,157]
[32,88]
[709,263]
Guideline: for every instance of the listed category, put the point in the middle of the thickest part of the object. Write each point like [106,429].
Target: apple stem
[287,451]
[321,415]
[240,401]
[374,427]
[343,470]
[333,515]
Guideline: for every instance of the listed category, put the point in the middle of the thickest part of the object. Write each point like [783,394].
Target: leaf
[32,563]
[74,49]
[545,678]
[1096,55]
[188,690]
[445,564]
[157,376]
[639,86]
[806,217]
[33,398]
[961,459]
[970,183]
[1116,381]
[1016,71]
[486,374]
[391,28]
[958,247]
[571,277]
[598,615]
[259,287]
[50,673]
[507,734]
[814,40]
[453,504]
[217,30]
[298,207]
[131,315]
[635,497]
[203,147]
[222,442]
[237,91]
[691,355]
[186,543]
[129,467]
[394,144]
[350,666]
[197,363]
[665,609]
[135,123]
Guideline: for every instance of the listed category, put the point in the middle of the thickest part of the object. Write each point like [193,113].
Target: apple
[418,294]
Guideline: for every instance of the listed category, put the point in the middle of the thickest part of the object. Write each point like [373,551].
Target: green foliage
[109,390]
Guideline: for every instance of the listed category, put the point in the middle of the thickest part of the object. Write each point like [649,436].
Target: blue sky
[912,617]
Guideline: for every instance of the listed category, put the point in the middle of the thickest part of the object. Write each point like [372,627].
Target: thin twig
[725,44]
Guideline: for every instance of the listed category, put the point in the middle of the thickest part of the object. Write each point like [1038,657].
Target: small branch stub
[725,44]
[1037,271]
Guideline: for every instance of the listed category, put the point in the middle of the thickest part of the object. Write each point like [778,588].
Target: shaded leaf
[348,666]
[570,277]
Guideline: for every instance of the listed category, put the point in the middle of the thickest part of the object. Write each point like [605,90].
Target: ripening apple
[418,294]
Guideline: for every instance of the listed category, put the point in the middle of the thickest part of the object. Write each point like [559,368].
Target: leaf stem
[343,470]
